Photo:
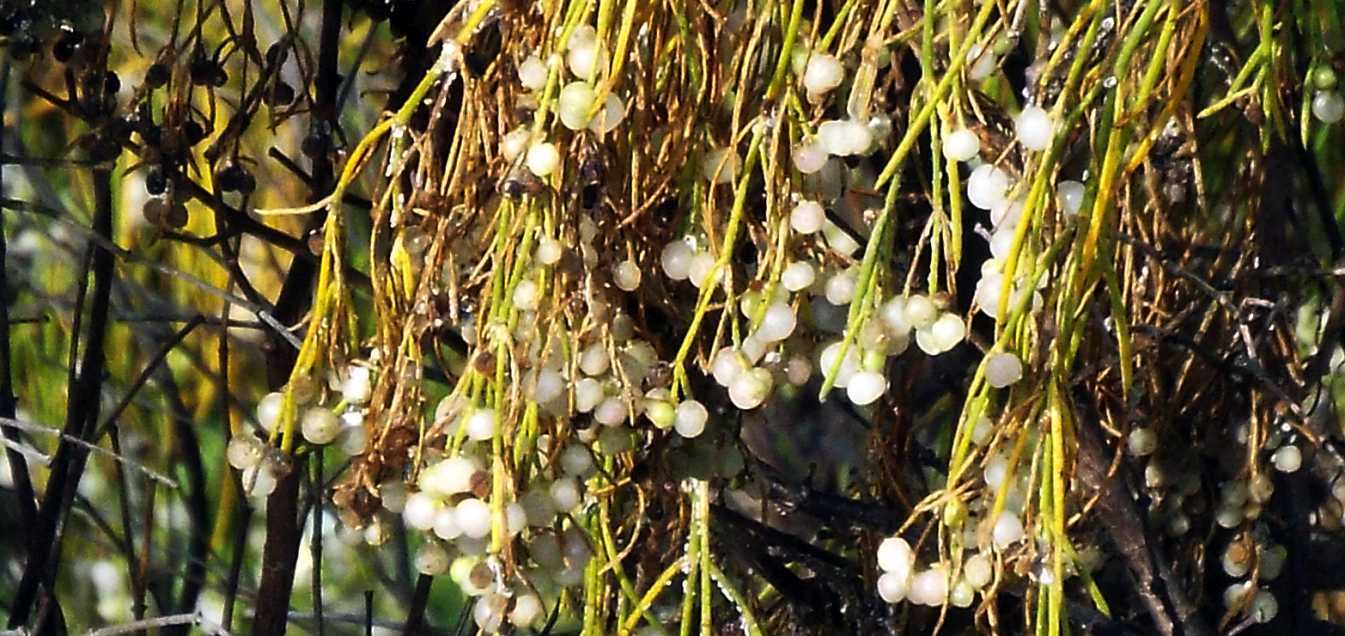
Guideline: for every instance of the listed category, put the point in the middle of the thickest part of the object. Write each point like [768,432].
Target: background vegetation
[596,316]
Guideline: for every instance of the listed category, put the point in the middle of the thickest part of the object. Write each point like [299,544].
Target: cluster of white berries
[1250,557]
[1328,106]
[1237,561]
[318,423]
[998,537]
[1258,603]
[749,385]
[605,372]
[934,586]
[607,375]
[856,134]
[990,187]
[603,376]
[769,354]
[576,107]
[846,137]
[860,371]
[821,74]
[558,561]
[452,507]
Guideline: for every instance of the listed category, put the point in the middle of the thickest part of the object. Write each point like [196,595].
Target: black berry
[155,181]
[193,132]
[157,75]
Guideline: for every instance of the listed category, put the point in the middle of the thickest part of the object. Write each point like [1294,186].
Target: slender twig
[189,618]
[316,493]
[81,416]
[242,514]
[415,617]
[189,453]
[369,612]
[240,546]
[359,619]
[354,201]
[18,466]
[282,526]
[465,618]
[152,319]
[23,449]
[127,526]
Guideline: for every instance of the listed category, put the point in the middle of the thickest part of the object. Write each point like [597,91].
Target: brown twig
[282,525]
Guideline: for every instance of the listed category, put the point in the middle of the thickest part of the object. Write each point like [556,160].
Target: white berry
[1069,194]
[807,217]
[987,186]
[823,73]
[676,259]
[866,387]
[320,426]
[626,275]
[574,103]
[961,145]
[532,73]
[1003,369]
[543,158]
[798,276]
[1328,106]
[1034,128]
[690,418]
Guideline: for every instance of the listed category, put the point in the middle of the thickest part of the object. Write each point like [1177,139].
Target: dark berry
[155,210]
[202,70]
[315,242]
[282,94]
[234,178]
[588,196]
[226,178]
[67,45]
[193,132]
[275,56]
[157,75]
[111,83]
[316,142]
[155,181]
[248,184]
[592,170]
[176,216]
[404,18]
[119,128]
